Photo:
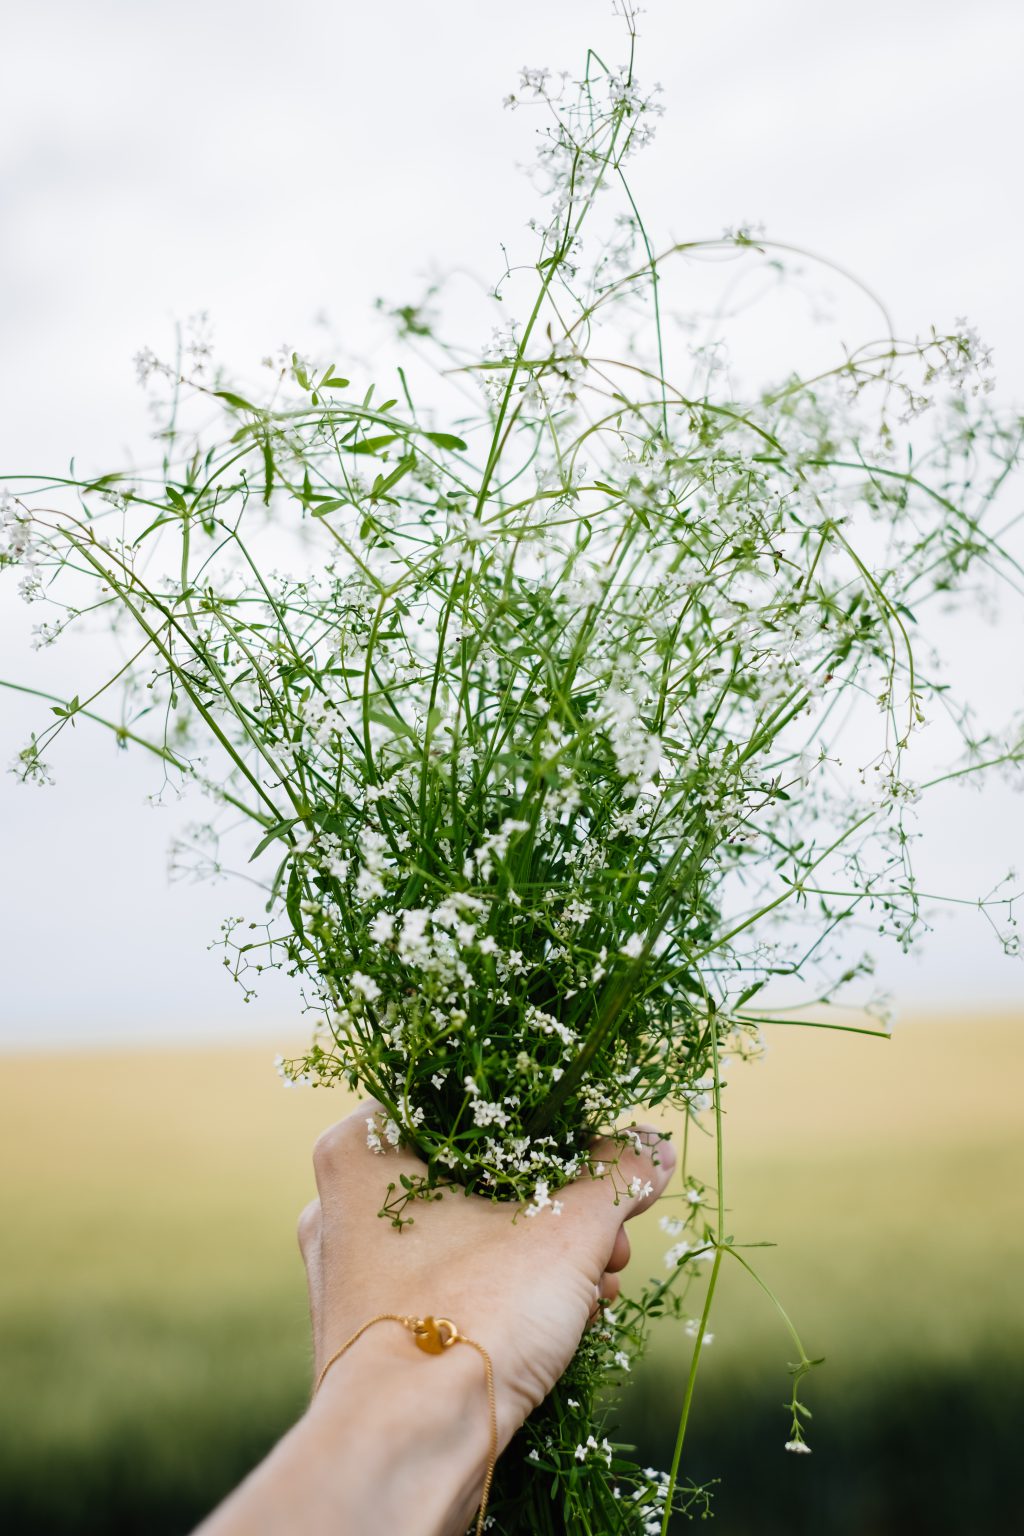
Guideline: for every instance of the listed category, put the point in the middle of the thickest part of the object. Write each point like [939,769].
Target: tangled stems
[567,731]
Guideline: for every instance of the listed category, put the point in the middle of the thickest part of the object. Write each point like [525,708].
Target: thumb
[626,1173]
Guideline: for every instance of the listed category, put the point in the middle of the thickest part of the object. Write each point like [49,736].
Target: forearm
[395,1440]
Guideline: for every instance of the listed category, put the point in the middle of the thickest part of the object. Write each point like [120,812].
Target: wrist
[417,1427]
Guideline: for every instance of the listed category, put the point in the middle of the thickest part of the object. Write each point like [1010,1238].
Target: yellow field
[152,1304]
[890,1174]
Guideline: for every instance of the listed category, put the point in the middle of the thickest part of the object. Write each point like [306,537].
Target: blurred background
[280,168]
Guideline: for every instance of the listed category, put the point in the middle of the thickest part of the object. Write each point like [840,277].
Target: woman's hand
[397,1439]
[523,1287]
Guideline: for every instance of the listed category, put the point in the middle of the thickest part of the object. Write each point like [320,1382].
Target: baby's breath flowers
[567,694]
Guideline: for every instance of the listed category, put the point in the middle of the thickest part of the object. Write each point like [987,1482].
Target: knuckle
[327,1150]
[309,1225]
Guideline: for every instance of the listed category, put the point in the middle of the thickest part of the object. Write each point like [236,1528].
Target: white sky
[266,163]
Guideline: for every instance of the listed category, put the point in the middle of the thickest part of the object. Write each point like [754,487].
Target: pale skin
[396,1439]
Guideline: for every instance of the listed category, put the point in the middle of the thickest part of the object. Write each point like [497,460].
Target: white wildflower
[382,929]
[364,986]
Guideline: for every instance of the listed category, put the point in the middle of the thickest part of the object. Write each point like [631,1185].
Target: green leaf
[331,380]
[293,899]
[238,401]
[393,723]
[330,505]
[384,483]
[372,444]
[158,523]
[445,440]
[268,471]
[279,830]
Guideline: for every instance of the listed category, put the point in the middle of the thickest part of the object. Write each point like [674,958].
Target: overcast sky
[273,164]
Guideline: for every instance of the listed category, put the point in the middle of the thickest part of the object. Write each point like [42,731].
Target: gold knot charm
[434,1334]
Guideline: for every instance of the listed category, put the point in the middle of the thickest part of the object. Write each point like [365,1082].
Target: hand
[398,1440]
[523,1287]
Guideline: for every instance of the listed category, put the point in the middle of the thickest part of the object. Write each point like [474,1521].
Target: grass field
[152,1311]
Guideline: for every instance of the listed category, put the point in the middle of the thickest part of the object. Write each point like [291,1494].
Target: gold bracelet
[434,1335]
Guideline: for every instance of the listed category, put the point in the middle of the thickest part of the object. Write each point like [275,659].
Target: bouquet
[562,693]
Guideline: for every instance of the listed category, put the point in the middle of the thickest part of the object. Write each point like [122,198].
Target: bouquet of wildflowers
[563,693]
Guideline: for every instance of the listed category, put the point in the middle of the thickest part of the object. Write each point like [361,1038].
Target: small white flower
[542,1199]
[364,986]
[799,1446]
[146,364]
[382,929]
[692,1329]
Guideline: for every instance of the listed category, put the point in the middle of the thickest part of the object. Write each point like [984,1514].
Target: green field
[152,1309]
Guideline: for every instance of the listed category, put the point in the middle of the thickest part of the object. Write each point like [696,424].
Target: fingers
[628,1173]
[606,1291]
[609,1287]
[643,1166]
[619,1256]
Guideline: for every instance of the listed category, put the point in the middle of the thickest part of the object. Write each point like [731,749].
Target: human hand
[399,1440]
[524,1288]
